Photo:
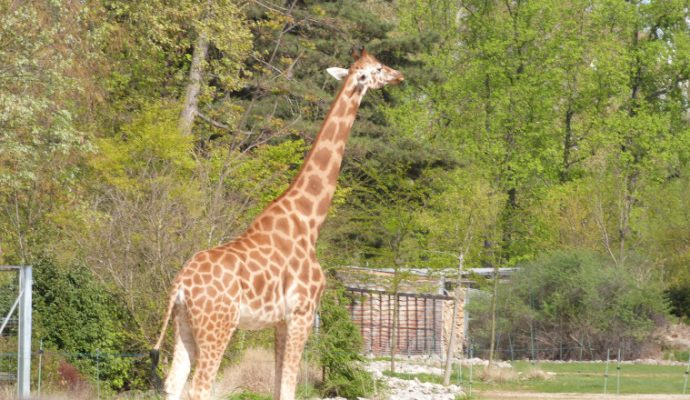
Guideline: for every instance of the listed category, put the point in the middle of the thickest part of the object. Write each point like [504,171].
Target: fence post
[471,365]
[618,373]
[305,373]
[606,373]
[40,366]
[460,374]
[531,327]
[687,372]
[98,373]
[24,356]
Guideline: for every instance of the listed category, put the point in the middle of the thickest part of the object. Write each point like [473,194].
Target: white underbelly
[255,319]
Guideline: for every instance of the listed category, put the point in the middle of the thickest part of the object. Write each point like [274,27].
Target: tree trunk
[190,109]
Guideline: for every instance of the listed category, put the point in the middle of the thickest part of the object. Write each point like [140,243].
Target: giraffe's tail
[154,354]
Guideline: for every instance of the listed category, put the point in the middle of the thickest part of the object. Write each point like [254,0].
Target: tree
[43,82]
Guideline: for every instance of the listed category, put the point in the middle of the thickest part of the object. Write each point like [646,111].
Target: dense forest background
[133,134]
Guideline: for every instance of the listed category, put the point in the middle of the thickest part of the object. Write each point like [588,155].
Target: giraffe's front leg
[298,329]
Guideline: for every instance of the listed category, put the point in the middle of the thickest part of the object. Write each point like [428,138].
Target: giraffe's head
[368,72]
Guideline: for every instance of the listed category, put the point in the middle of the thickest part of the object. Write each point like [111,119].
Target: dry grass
[255,372]
[10,393]
[494,374]
[537,374]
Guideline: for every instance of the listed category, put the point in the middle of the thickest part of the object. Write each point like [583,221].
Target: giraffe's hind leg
[212,339]
[184,355]
[281,340]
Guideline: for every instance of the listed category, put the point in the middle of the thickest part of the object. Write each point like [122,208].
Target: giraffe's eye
[379,69]
[362,77]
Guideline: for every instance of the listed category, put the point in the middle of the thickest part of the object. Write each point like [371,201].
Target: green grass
[577,378]
[302,392]
[249,396]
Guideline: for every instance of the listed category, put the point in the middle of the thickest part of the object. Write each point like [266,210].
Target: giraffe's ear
[338,73]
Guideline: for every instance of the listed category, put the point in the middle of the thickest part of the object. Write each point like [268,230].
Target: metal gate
[15,327]
[420,321]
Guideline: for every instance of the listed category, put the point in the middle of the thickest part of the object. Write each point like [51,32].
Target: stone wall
[448,320]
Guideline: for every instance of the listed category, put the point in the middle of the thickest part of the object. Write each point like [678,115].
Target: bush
[75,314]
[679,297]
[339,346]
[567,301]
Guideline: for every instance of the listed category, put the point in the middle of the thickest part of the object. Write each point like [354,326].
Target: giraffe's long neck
[310,194]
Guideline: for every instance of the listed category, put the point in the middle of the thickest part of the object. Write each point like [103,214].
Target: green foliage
[270,168]
[339,346]
[249,396]
[148,144]
[576,299]
[41,144]
[75,314]
[679,297]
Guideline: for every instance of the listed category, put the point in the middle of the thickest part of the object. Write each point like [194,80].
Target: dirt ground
[576,396]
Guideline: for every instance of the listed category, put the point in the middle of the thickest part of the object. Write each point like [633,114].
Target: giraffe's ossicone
[269,276]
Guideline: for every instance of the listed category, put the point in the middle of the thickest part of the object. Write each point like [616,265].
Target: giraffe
[269,276]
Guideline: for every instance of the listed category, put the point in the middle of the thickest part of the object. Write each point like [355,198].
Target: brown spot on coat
[314,185]
[205,268]
[321,158]
[266,222]
[283,226]
[277,259]
[316,274]
[215,255]
[243,272]
[330,131]
[304,273]
[259,283]
[294,264]
[254,266]
[287,280]
[301,290]
[282,244]
[261,238]
[322,208]
[298,226]
[304,205]
[340,108]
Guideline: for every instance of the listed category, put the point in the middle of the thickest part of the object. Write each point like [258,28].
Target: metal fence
[15,326]
[420,321]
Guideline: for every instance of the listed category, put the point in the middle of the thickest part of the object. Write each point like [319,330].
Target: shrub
[571,300]
[75,314]
[679,297]
[339,344]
